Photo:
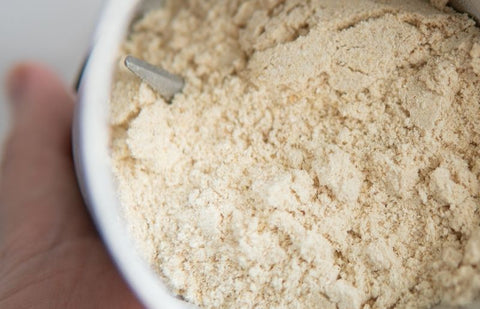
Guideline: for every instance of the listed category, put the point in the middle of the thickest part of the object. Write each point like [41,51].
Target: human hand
[50,253]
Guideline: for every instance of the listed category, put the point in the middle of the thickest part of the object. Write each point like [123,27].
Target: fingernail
[17,84]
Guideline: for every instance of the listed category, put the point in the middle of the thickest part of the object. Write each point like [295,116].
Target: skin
[50,254]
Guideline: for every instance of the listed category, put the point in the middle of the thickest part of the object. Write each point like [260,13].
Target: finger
[42,108]
[39,199]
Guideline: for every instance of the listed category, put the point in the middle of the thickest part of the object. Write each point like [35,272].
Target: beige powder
[323,154]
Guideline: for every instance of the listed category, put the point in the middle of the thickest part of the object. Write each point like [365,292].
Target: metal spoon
[164,82]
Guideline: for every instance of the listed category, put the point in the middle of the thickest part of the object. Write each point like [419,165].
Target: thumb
[39,200]
[42,108]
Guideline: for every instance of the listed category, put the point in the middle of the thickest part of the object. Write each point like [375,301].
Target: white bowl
[92,160]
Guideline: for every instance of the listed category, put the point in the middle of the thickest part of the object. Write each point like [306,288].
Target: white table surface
[56,32]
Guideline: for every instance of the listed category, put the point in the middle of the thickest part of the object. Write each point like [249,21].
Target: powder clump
[321,155]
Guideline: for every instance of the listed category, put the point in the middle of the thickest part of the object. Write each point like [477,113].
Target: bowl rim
[93,167]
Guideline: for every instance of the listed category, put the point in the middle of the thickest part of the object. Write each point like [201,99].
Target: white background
[56,32]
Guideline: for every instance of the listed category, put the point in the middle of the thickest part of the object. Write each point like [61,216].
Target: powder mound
[439,4]
[339,175]
[321,155]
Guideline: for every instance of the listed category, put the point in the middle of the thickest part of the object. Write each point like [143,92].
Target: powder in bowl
[322,154]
